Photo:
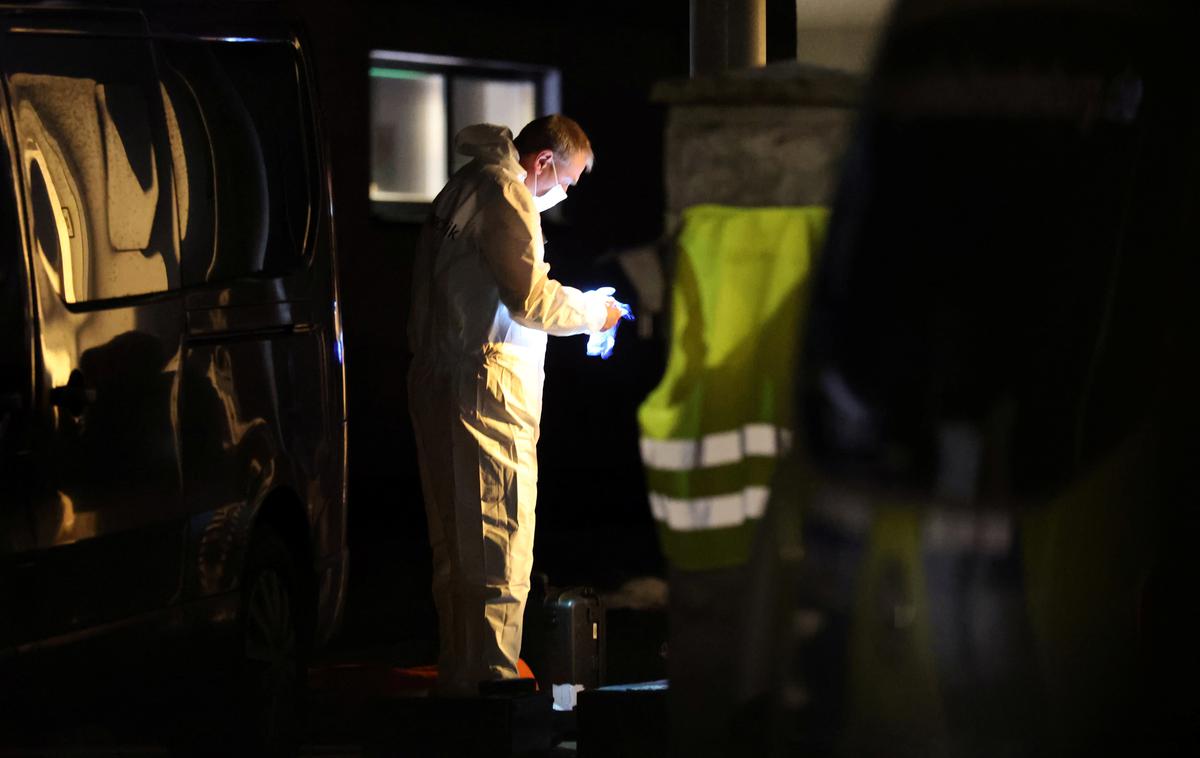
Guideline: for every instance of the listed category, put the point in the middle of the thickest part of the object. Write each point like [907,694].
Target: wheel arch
[284,513]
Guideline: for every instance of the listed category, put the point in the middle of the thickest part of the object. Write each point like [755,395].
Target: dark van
[172,396]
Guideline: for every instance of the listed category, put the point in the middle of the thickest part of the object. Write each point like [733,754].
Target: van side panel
[95,182]
[262,410]
[254,386]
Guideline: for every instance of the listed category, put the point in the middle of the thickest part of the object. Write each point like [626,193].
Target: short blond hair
[557,133]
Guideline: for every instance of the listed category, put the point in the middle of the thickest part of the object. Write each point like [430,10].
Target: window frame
[546,80]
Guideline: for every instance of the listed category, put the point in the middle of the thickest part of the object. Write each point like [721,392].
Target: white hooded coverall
[483,303]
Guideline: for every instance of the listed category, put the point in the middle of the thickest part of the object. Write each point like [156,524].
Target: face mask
[553,196]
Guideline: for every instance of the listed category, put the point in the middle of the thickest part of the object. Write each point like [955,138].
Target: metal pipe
[727,34]
[747,40]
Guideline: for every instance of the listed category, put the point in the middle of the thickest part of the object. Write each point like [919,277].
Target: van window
[243,157]
[93,153]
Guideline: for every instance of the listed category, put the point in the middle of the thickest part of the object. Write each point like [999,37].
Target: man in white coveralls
[483,304]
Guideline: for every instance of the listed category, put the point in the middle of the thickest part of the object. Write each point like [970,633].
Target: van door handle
[73,397]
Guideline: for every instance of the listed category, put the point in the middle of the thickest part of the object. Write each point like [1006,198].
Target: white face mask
[553,196]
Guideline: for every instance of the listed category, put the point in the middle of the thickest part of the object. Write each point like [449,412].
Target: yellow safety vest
[715,426]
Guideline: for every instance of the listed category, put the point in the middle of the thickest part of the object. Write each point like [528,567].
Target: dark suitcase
[575,630]
[564,636]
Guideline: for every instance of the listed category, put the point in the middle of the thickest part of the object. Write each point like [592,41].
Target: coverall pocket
[513,389]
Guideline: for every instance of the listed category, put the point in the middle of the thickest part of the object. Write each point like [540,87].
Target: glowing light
[395,73]
[338,346]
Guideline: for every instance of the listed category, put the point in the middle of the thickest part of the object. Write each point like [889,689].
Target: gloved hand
[602,343]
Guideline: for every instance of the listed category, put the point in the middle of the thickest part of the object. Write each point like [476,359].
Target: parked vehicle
[172,395]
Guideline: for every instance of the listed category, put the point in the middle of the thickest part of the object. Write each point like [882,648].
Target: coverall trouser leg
[477,432]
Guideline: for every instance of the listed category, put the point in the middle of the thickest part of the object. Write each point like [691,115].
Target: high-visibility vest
[717,422]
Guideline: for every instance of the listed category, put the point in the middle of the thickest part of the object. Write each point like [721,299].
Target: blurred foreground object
[997,401]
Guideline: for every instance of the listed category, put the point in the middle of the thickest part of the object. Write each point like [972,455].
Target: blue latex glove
[602,343]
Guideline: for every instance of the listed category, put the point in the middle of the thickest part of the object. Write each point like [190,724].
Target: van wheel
[273,653]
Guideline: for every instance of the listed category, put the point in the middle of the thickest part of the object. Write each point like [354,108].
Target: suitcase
[564,636]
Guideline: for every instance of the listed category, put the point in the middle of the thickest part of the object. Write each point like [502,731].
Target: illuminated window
[418,103]
[507,103]
[408,135]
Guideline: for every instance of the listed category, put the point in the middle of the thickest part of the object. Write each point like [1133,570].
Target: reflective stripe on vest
[715,512]
[718,449]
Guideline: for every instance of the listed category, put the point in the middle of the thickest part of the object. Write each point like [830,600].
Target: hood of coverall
[489,143]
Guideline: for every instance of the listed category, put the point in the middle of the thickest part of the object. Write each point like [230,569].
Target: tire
[273,648]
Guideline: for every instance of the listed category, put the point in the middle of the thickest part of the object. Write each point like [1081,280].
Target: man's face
[542,168]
